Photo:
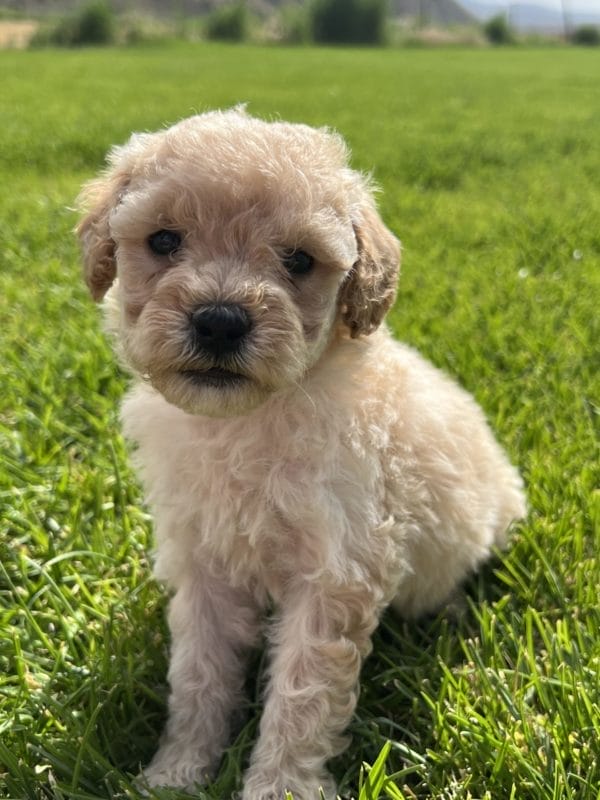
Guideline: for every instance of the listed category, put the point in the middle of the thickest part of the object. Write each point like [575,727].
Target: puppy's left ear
[98,198]
[370,289]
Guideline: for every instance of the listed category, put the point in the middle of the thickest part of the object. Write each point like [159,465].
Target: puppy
[294,455]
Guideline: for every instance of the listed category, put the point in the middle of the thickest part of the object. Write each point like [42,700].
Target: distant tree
[229,23]
[586,34]
[498,31]
[349,21]
[93,24]
[96,24]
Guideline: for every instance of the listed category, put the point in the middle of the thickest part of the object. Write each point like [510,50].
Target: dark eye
[164,243]
[297,262]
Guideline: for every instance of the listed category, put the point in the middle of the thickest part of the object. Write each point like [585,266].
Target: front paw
[177,768]
[258,786]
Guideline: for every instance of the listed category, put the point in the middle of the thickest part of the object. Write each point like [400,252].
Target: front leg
[318,645]
[212,627]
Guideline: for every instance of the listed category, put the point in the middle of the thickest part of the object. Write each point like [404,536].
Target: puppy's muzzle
[220,330]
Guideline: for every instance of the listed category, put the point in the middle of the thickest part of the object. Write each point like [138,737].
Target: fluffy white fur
[341,473]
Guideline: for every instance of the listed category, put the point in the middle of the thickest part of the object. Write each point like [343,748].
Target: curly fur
[340,474]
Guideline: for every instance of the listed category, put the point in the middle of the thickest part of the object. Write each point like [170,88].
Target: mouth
[215,377]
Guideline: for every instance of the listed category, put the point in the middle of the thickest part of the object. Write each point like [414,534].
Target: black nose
[220,329]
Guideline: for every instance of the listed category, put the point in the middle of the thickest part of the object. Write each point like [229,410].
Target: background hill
[522,16]
[444,11]
[439,12]
[533,17]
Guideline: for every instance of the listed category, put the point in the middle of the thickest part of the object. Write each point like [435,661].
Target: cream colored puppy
[292,452]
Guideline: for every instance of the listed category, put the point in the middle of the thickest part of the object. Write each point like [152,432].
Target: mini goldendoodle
[294,455]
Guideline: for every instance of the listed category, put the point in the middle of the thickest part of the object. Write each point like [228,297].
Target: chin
[214,393]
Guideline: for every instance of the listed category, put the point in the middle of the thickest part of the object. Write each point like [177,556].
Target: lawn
[489,166]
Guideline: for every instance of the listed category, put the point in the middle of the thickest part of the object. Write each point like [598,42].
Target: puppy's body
[316,464]
[422,489]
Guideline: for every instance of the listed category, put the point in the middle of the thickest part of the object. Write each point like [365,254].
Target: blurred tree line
[323,21]
[359,22]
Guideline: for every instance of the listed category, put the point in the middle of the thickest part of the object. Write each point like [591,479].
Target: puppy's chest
[235,499]
[282,492]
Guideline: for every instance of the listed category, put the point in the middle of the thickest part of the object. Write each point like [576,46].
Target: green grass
[489,162]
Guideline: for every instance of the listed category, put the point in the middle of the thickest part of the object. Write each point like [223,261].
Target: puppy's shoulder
[379,369]
[386,385]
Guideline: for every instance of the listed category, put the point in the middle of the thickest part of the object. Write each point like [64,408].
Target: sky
[570,5]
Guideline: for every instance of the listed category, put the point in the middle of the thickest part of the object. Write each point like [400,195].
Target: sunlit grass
[489,165]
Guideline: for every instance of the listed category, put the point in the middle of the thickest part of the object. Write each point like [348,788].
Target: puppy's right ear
[97,199]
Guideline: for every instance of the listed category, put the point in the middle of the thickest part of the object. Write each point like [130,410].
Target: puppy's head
[237,250]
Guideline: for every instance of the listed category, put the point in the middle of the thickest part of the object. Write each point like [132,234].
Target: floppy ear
[98,198]
[370,289]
